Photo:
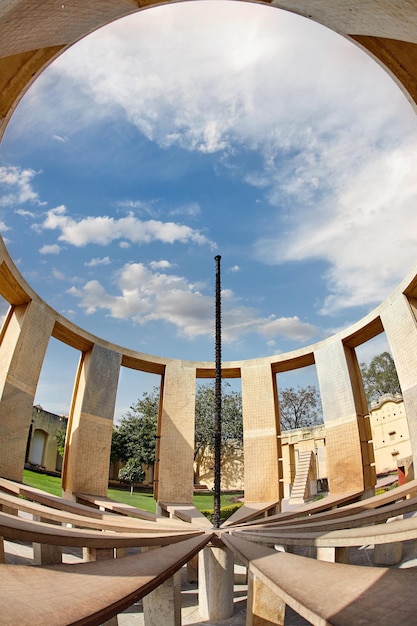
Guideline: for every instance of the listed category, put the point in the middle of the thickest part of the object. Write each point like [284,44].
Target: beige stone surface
[31,35]
[25,336]
[90,424]
[175,445]
[262,448]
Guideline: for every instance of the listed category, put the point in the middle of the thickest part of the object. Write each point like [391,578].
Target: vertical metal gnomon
[218,401]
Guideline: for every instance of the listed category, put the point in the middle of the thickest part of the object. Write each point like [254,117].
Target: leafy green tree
[133,472]
[299,407]
[133,440]
[60,441]
[380,377]
[232,424]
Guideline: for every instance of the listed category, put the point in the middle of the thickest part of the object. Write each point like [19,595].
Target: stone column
[264,606]
[399,322]
[174,475]
[24,340]
[262,449]
[215,583]
[163,605]
[333,555]
[350,460]
[87,453]
[43,553]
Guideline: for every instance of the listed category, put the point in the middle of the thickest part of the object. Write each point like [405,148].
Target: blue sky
[197,129]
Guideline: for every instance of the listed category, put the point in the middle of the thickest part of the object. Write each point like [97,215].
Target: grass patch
[141,500]
[51,484]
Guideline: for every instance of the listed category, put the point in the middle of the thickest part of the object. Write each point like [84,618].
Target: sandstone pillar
[163,605]
[174,475]
[264,607]
[350,460]
[87,453]
[24,340]
[399,322]
[215,583]
[262,449]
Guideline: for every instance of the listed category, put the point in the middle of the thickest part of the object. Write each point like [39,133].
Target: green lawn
[51,484]
[144,501]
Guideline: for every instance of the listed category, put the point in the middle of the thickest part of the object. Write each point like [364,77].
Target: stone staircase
[301,486]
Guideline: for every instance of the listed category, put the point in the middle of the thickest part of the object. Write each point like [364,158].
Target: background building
[42,449]
[389,432]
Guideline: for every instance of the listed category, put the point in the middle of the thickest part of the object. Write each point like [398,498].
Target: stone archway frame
[31,37]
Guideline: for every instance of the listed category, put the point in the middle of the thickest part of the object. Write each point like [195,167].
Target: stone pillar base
[333,555]
[44,554]
[264,607]
[163,605]
[215,589]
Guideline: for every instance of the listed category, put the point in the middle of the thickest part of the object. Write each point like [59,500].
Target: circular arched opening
[276,142]
[304,234]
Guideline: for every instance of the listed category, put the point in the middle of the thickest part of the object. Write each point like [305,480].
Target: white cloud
[162,264]
[365,230]
[50,249]
[234,269]
[245,92]
[59,138]
[138,206]
[98,261]
[192,209]
[105,229]
[145,296]
[335,139]
[16,186]
[24,213]
[290,327]
[58,274]
[336,158]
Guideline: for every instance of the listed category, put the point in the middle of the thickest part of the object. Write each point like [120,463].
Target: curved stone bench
[87,593]
[127,510]
[249,512]
[331,507]
[42,497]
[17,528]
[326,594]
[124,513]
[117,523]
[317,523]
[334,545]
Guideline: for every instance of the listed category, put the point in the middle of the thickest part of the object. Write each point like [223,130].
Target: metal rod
[218,402]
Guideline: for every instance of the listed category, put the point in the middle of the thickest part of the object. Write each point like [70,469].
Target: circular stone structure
[32,35]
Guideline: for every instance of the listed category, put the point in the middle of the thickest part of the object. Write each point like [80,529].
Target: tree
[134,438]
[232,423]
[380,377]
[299,407]
[133,472]
[60,441]
[133,441]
